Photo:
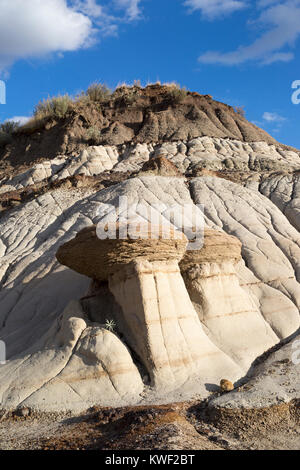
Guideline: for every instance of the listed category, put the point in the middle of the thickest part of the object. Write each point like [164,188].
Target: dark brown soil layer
[178,426]
[152,114]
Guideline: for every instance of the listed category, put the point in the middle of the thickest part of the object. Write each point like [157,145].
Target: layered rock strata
[190,156]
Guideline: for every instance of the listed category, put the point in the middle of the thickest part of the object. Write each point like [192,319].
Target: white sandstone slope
[99,370]
[276,381]
[284,191]
[60,359]
[70,364]
[270,244]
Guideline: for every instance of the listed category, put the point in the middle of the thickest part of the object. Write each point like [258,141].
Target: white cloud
[131,8]
[35,28]
[214,8]
[43,27]
[281,22]
[273,117]
[88,7]
[20,119]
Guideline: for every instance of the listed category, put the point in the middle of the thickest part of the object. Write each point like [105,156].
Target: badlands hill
[129,115]
[124,322]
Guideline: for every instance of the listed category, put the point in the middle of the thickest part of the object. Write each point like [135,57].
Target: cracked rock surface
[58,356]
[209,153]
[132,322]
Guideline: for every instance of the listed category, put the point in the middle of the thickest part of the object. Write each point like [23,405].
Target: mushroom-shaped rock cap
[96,258]
[217,248]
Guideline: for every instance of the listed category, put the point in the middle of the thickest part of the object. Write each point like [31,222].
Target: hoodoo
[227,311]
[157,319]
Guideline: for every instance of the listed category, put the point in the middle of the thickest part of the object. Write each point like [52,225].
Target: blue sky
[245,53]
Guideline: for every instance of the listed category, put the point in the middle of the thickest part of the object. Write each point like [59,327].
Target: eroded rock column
[162,325]
[229,314]
[158,320]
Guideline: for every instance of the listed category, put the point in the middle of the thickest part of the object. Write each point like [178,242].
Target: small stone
[226,385]
[23,412]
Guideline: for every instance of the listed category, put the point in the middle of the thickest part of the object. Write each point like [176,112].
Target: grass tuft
[98,92]
[240,110]
[56,107]
[176,93]
[7,129]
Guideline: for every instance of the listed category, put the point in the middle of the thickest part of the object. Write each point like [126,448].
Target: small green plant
[7,129]
[93,134]
[58,106]
[110,325]
[82,99]
[176,94]
[98,92]
[34,124]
